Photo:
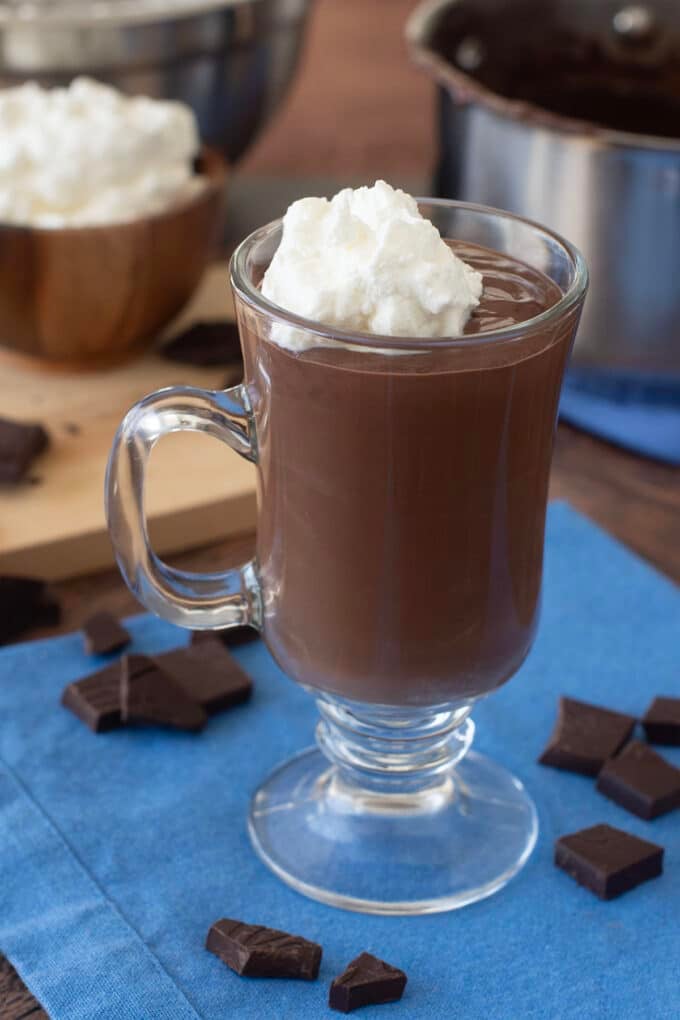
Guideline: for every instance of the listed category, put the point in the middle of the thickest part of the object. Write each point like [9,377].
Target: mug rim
[252,295]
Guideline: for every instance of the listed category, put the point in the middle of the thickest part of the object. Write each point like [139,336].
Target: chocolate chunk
[25,602]
[608,861]
[208,674]
[231,637]
[585,736]
[102,633]
[20,444]
[367,981]
[149,694]
[662,721]
[207,344]
[254,951]
[641,781]
[96,699]
[71,428]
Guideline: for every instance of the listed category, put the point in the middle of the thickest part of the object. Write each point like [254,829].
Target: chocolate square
[641,781]
[95,699]
[585,737]
[661,722]
[20,444]
[608,861]
[208,674]
[255,951]
[102,634]
[149,694]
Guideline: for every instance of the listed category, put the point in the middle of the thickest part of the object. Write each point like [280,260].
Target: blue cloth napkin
[118,851]
[638,412]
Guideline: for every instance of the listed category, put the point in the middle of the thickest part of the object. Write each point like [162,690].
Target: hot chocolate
[402,499]
[402,447]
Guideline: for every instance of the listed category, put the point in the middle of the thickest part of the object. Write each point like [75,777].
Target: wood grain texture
[358,107]
[16,1002]
[636,500]
[56,528]
[95,295]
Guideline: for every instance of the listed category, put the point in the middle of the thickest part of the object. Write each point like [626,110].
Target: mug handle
[198,601]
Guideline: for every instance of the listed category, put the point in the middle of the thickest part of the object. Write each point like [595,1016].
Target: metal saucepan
[231,60]
[568,112]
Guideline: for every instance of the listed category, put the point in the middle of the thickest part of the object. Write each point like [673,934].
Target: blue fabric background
[118,851]
[639,412]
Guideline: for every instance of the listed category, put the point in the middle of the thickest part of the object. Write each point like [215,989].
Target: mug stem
[391,814]
[393,753]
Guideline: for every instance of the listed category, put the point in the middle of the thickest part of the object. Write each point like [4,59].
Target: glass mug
[402,492]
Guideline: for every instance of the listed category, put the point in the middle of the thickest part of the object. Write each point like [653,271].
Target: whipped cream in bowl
[367,261]
[106,227]
[88,155]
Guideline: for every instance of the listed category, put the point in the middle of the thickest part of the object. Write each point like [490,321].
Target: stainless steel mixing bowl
[614,194]
[231,60]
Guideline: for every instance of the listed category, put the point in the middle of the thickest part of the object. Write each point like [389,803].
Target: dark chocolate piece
[206,344]
[608,861]
[254,951]
[102,633]
[25,602]
[366,981]
[641,781]
[96,699]
[208,674]
[585,736]
[662,722]
[71,428]
[230,637]
[20,444]
[149,694]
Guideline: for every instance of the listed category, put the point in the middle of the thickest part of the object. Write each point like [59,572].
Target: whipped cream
[87,155]
[367,261]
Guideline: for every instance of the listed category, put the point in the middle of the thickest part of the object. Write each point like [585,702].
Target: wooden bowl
[95,296]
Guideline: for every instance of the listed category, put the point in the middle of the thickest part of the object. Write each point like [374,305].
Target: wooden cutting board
[198,490]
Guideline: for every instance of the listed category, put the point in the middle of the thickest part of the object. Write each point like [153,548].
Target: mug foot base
[417,853]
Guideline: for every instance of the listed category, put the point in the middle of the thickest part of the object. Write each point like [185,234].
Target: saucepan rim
[419,31]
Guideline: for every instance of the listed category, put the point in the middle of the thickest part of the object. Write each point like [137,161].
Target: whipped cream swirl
[367,261]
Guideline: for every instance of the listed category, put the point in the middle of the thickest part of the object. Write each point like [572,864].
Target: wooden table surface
[356,77]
